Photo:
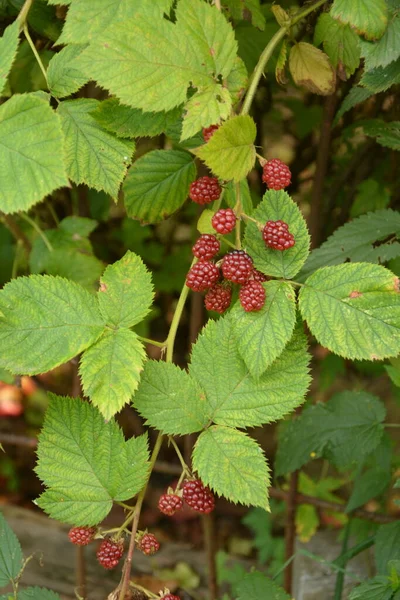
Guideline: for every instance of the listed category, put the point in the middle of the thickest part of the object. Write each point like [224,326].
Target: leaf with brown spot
[311,69]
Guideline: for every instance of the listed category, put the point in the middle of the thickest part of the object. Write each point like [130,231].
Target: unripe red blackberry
[237,266]
[208,132]
[198,497]
[276,174]
[258,276]
[224,221]
[170,597]
[169,504]
[82,536]
[205,190]
[148,544]
[110,552]
[252,296]
[206,247]
[202,276]
[277,236]
[218,298]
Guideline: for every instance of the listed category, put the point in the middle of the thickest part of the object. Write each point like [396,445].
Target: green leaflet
[31,140]
[382,78]
[206,107]
[83,476]
[233,465]
[63,77]
[354,310]
[158,184]
[256,586]
[240,9]
[354,97]
[387,546]
[36,593]
[370,484]
[386,50]
[278,206]
[262,336]
[93,156]
[340,42]
[8,51]
[110,370]
[367,17]
[11,558]
[44,322]
[386,134]
[378,588]
[234,397]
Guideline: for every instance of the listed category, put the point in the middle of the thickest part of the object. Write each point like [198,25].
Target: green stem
[23,14]
[53,213]
[357,549]
[179,454]
[392,425]
[228,243]
[38,230]
[152,342]
[175,321]
[238,213]
[35,52]
[342,562]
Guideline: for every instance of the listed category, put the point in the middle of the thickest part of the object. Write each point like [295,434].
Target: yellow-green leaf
[311,69]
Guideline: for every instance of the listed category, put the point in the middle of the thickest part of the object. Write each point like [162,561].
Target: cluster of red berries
[194,493]
[276,174]
[148,543]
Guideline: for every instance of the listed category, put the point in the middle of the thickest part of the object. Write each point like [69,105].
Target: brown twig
[10,439]
[80,571]
[16,231]
[209,542]
[290,530]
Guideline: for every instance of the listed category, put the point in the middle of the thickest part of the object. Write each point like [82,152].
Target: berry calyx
[110,552]
[202,276]
[82,536]
[224,221]
[169,504]
[206,247]
[198,497]
[237,266]
[218,298]
[148,544]
[276,174]
[208,132]
[205,190]
[258,276]
[252,296]
[277,236]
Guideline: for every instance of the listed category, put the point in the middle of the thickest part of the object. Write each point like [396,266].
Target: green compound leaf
[353,98]
[37,593]
[63,77]
[240,10]
[205,108]
[158,184]
[44,322]
[234,397]
[386,50]
[256,586]
[170,400]
[381,78]
[387,546]
[261,336]
[8,51]
[110,370]
[233,465]
[126,291]
[368,17]
[93,156]
[11,558]
[230,153]
[354,310]
[340,43]
[31,165]
[386,134]
[278,206]
[378,588]
[370,484]
[85,463]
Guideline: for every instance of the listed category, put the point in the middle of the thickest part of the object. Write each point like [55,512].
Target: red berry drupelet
[109,553]
[82,536]
[224,221]
[148,544]
[237,266]
[169,504]
[202,276]
[206,247]
[218,298]
[208,132]
[170,597]
[205,190]
[258,276]
[252,296]
[277,236]
[276,174]
[198,497]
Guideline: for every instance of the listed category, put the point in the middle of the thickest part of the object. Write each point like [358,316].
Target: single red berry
[258,276]
[277,236]
[82,536]
[237,266]
[198,497]
[206,247]
[252,296]
[148,544]
[208,132]
[202,276]
[276,174]
[218,298]
[109,553]
[170,597]
[224,221]
[169,504]
[205,190]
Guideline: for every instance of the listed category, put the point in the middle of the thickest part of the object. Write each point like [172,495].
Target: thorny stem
[176,319]
[238,213]
[36,53]
[39,231]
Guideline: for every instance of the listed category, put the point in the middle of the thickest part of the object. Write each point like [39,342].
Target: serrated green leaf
[31,165]
[262,336]
[233,465]
[83,476]
[8,51]
[234,397]
[230,153]
[36,593]
[63,77]
[158,184]
[126,291]
[394,374]
[355,96]
[170,400]
[386,134]
[237,80]
[78,226]
[257,586]
[245,197]
[278,206]
[386,50]
[93,156]
[110,370]
[377,588]
[311,68]
[11,558]
[44,322]
[206,107]
[382,78]
[240,9]
[370,484]
[368,17]
[387,545]
[353,310]
[371,196]
[340,43]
